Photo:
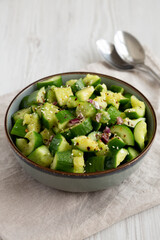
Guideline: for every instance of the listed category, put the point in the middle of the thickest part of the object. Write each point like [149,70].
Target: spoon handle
[147,69]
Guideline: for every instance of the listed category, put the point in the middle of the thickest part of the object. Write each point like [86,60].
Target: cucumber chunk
[48,115]
[56,81]
[35,140]
[64,116]
[63,161]
[118,89]
[137,110]
[78,85]
[140,133]
[115,159]
[47,135]
[50,95]
[132,122]
[37,97]
[78,161]
[20,114]
[86,109]
[41,156]
[92,80]
[62,95]
[113,113]
[132,153]
[101,101]
[59,144]
[24,103]
[19,129]
[100,88]
[85,144]
[37,109]
[124,133]
[95,135]
[116,143]
[104,150]
[69,83]
[33,122]
[72,102]
[85,93]
[96,125]
[95,164]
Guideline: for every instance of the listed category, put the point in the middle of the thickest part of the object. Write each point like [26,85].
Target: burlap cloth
[31,211]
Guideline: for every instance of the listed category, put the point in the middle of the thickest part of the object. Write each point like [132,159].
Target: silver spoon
[108,52]
[131,51]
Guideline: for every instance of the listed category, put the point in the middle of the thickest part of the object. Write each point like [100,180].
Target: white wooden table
[39,38]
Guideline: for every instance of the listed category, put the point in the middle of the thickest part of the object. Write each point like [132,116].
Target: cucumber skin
[121,131]
[115,144]
[56,143]
[64,116]
[56,81]
[113,113]
[64,161]
[24,103]
[95,164]
[78,85]
[118,89]
[19,129]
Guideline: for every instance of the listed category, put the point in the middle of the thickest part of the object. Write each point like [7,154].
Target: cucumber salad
[81,126]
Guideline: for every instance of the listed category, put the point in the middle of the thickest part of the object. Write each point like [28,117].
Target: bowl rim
[81,175]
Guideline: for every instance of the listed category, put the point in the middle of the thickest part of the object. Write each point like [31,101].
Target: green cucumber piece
[104,116]
[50,95]
[59,144]
[20,114]
[118,89]
[37,97]
[69,83]
[100,88]
[19,129]
[95,135]
[64,116]
[78,161]
[37,109]
[82,128]
[91,80]
[116,158]
[123,132]
[35,140]
[113,113]
[62,95]
[137,110]
[132,122]
[56,81]
[95,164]
[41,156]
[140,133]
[132,153]
[63,161]
[96,125]
[24,103]
[47,135]
[101,101]
[48,115]
[72,102]
[116,143]
[33,122]
[78,85]
[104,150]
[85,144]
[86,109]
[85,93]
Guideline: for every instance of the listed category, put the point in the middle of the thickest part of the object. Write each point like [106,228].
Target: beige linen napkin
[30,210]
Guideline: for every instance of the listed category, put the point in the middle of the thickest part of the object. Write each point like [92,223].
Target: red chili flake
[88,148]
[26,130]
[77,143]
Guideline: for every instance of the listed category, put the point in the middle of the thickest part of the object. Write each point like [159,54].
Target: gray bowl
[86,182]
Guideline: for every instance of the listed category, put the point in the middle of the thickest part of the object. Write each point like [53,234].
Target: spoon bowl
[109,53]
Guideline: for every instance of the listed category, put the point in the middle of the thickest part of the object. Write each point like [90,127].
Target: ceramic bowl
[86,182]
